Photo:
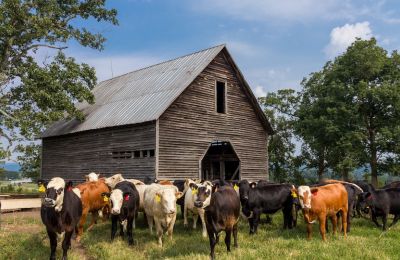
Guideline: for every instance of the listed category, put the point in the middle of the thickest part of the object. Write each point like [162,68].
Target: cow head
[244,189]
[113,180]
[203,195]
[305,194]
[167,198]
[55,194]
[92,176]
[365,201]
[117,199]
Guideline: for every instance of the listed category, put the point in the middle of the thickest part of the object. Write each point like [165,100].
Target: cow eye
[59,191]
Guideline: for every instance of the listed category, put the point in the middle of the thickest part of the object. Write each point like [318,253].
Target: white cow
[160,206]
[190,199]
[92,176]
[116,178]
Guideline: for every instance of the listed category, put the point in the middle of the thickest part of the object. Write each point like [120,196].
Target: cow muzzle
[198,204]
[49,203]
[115,211]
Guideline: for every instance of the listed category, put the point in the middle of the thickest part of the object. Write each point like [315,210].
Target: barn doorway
[220,162]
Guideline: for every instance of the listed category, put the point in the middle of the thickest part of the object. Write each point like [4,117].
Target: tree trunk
[345,175]
[374,168]
[373,159]
[321,168]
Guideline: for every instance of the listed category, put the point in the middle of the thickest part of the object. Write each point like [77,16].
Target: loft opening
[221,97]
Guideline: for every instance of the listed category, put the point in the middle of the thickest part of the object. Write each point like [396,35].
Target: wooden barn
[191,117]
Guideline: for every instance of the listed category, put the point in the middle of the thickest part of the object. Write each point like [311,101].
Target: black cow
[266,199]
[381,203]
[60,212]
[366,187]
[180,184]
[395,184]
[222,214]
[124,207]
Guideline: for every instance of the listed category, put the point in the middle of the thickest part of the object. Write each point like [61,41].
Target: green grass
[26,188]
[365,241]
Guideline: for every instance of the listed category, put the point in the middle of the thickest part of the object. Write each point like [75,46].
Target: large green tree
[35,92]
[357,108]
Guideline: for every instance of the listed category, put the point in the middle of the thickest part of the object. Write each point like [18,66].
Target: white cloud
[259,91]
[342,37]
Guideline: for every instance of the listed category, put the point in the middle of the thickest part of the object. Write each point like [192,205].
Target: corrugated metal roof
[139,96]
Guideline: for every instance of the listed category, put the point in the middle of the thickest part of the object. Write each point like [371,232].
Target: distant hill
[10,166]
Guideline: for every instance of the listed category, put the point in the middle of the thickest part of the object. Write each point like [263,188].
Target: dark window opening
[151,153]
[136,154]
[145,154]
[221,97]
[122,155]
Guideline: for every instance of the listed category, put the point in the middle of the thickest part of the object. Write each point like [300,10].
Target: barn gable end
[189,126]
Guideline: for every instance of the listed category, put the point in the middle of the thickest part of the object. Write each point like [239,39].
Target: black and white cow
[382,202]
[60,212]
[124,207]
[266,199]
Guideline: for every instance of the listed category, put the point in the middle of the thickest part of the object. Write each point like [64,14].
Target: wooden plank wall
[73,156]
[191,123]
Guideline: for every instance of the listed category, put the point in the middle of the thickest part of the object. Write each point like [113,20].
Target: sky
[275,43]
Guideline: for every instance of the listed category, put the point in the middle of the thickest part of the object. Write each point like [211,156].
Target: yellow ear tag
[236,187]
[105,198]
[158,198]
[42,188]
[294,195]
[194,191]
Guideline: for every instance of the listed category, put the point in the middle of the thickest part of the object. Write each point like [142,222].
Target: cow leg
[256,220]
[350,213]
[326,226]
[185,221]
[375,220]
[334,219]
[121,229]
[309,230]
[159,231]
[182,209]
[114,220]
[150,223]
[66,244]
[344,222]
[171,225]
[203,223]
[228,233]
[82,222]
[129,231]
[235,233]
[322,226]
[384,221]
[53,244]
[195,218]
[95,215]
[212,237]
[395,219]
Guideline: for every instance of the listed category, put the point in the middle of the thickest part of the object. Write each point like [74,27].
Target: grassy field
[26,188]
[24,237]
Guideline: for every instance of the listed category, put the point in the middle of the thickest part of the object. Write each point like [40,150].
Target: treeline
[346,116]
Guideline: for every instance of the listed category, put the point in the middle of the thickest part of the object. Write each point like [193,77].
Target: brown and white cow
[116,178]
[160,206]
[318,203]
[92,202]
[195,206]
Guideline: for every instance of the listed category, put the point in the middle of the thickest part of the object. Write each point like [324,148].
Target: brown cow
[318,203]
[92,201]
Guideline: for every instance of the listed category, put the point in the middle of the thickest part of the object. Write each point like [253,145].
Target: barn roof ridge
[162,62]
[145,94]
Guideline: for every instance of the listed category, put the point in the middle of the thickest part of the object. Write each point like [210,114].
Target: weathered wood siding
[191,123]
[73,156]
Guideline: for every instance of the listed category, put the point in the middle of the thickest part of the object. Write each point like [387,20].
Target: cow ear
[178,194]
[69,185]
[314,191]
[253,185]
[193,186]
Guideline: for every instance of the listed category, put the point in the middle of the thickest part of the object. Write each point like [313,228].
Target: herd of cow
[65,207]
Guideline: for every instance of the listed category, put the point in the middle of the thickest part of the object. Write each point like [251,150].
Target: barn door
[220,162]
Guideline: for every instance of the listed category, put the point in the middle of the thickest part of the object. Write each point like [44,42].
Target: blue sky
[275,43]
